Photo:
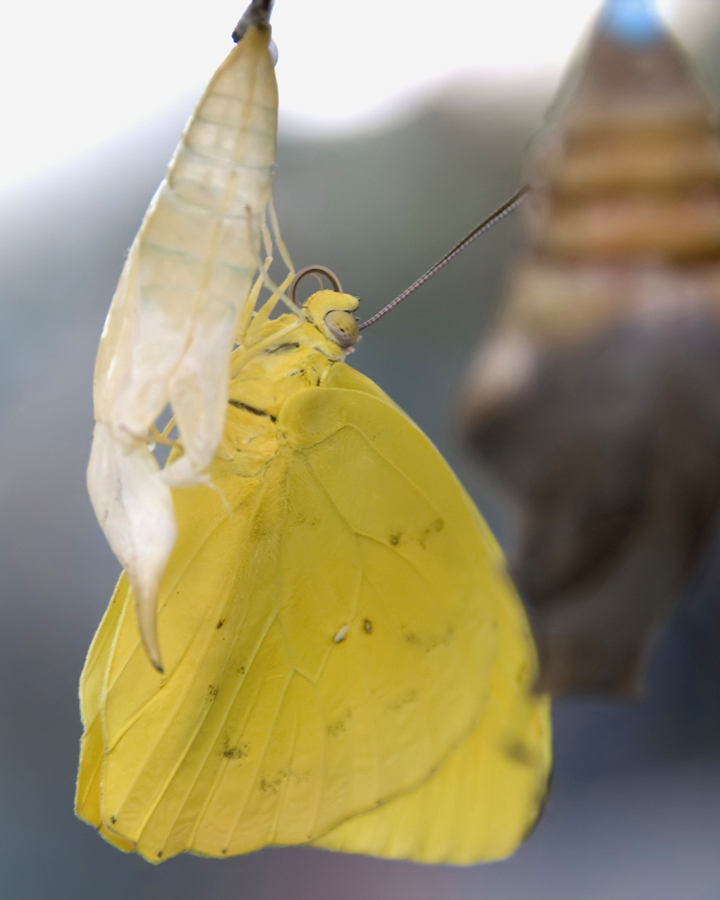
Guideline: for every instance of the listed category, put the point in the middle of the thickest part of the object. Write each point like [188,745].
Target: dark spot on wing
[367,626]
[224,851]
[339,725]
[431,642]
[220,623]
[159,854]
[407,698]
[238,404]
[241,670]
[237,751]
[113,820]
[272,787]
[395,538]
[300,517]
[519,753]
[434,528]
[213,691]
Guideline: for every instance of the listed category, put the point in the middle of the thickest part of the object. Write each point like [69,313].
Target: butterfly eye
[342,327]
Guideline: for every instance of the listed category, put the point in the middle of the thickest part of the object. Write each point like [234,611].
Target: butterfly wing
[490,792]
[329,642]
[92,747]
[486,798]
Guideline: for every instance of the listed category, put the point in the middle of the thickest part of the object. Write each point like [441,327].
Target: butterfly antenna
[484,226]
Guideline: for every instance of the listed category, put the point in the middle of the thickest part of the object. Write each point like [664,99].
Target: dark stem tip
[258,13]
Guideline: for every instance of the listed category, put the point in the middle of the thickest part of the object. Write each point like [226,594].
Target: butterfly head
[332,313]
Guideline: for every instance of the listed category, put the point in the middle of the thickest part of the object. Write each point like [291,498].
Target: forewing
[328,642]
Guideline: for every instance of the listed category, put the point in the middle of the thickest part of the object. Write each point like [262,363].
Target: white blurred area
[78,73]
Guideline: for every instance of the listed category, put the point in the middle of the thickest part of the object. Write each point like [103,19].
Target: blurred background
[402,125]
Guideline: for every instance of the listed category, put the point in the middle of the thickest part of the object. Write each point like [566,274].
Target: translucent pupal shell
[172,322]
[592,400]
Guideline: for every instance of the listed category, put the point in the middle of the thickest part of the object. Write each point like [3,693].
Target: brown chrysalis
[596,400]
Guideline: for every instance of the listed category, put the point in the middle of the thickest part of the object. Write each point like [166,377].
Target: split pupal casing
[596,399]
[171,326]
[172,322]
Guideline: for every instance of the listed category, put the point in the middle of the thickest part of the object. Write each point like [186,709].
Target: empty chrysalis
[594,401]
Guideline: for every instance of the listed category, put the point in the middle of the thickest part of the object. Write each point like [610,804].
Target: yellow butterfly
[344,660]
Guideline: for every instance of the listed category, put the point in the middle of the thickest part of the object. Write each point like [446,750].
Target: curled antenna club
[258,13]
[313,270]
